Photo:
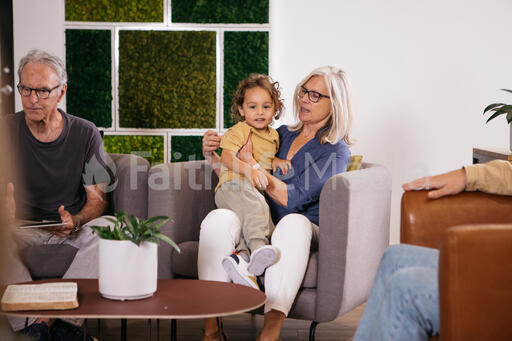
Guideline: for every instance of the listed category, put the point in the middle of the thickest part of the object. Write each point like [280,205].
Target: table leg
[173,330]
[85,329]
[157,330]
[148,330]
[219,329]
[99,329]
[123,329]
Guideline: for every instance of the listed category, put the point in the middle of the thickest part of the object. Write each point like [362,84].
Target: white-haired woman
[316,148]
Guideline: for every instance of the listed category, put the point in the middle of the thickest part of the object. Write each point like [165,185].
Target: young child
[256,103]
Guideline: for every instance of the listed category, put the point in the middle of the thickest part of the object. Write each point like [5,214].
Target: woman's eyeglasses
[314,96]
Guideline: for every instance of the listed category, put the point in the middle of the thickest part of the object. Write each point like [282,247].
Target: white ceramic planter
[127,271]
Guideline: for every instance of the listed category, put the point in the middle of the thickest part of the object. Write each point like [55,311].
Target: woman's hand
[211,142]
[440,185]
[284,165]
[245,153]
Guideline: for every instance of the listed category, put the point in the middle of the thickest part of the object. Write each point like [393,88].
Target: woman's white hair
[43,57]
[339,90]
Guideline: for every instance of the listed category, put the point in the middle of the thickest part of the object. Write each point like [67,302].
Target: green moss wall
[185,148]
[167,79]
[241,62]
[219,11]
[149,147]
[89,64]
[115,10]
[146,74]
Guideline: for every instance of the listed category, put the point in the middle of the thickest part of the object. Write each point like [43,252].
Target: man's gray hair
[43,57]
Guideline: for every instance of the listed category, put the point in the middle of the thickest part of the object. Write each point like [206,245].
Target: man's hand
[284,165]
[440,185]
[66,218]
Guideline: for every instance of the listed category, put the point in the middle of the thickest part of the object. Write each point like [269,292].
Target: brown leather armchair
[475,264]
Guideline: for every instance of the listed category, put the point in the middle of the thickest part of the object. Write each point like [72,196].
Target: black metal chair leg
[312,329]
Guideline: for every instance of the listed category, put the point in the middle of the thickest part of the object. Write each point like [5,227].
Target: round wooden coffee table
[174,299]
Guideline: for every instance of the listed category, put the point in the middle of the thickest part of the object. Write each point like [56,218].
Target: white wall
[37,24]
[422,71]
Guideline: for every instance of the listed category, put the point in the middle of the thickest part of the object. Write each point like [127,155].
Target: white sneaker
[236,268]
[262,258]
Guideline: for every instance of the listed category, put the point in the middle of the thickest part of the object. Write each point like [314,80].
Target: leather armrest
[475,283]
[423,220]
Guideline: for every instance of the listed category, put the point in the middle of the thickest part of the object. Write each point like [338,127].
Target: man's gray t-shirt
[50,174]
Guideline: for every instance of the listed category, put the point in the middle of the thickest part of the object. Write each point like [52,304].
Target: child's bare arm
[257,178]
[284,165]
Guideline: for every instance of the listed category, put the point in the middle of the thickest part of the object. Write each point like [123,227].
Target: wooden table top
[174,299]
[495,153]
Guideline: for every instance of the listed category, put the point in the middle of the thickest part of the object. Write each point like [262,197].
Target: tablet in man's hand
[28,224]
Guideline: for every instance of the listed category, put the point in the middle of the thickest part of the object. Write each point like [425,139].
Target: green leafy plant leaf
[499,109]
[129,227]
[492,106]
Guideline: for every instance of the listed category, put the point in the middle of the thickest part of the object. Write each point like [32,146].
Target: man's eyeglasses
[25,91]
[314,96]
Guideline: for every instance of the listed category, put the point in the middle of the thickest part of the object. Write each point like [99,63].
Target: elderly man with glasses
[61,175]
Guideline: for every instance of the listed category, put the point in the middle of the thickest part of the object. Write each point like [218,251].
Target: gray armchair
[354,232]
[129,195]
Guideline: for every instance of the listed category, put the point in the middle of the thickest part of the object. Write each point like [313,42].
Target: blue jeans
[404,300]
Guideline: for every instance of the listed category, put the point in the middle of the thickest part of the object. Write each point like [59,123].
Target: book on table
[46,296]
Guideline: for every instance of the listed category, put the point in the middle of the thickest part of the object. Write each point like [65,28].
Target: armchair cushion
[475,278]
[339,274]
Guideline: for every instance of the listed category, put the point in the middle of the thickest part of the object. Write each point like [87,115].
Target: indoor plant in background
[128,258]
[501,109]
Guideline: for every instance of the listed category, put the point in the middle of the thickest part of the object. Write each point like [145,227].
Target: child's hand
[284,165]
[258,179]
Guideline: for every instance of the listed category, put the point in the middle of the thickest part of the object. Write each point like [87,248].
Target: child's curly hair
[253,81]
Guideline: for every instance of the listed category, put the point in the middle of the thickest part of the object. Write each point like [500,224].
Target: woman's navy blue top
[312,166]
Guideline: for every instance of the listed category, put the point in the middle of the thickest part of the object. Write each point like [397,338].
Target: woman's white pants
[220,234]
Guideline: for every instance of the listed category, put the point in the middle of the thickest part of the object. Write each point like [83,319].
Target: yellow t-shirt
[264,147]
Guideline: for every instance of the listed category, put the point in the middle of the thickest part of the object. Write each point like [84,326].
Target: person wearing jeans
[404,300]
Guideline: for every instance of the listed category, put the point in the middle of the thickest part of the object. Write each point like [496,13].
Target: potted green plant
[128,258]
[501,109]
